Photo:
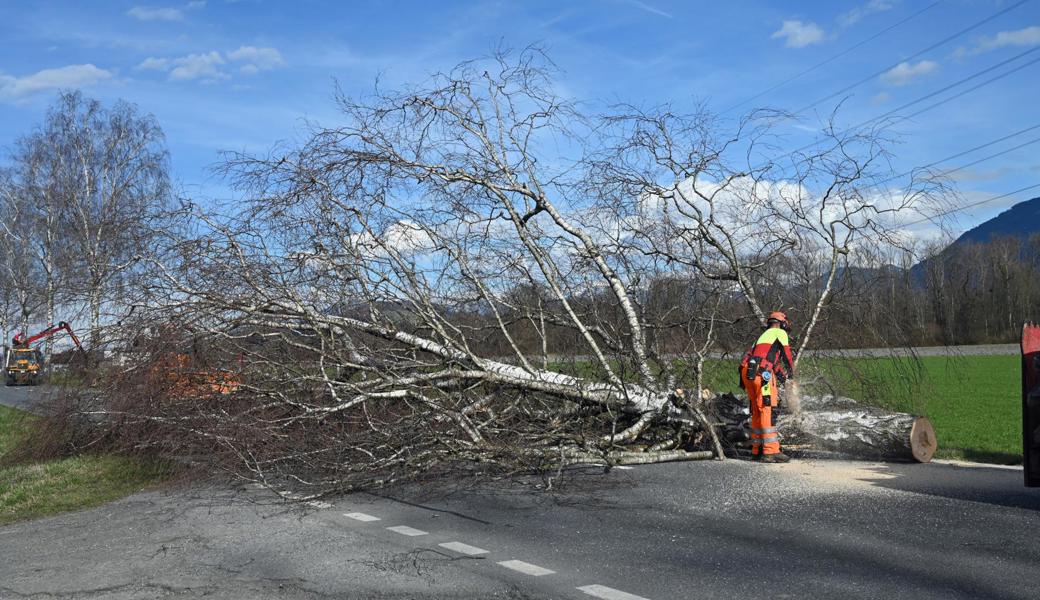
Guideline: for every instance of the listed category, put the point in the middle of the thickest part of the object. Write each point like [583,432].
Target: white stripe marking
[528,568]
[360,517]
[602,591]
[463,548]
[406,530]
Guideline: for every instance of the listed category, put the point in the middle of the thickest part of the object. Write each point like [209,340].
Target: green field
[36,489]
[974,402]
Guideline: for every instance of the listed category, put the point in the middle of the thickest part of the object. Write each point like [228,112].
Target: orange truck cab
[24,366]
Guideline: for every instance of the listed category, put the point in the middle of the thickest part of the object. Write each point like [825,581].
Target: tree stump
[837,426]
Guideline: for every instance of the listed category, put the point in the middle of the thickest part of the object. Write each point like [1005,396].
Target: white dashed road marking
[360,517]
[528,568]
[597,591]
[405,530]
[463,548]
[602,591]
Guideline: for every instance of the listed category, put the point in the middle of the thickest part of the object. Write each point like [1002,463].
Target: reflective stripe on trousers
[759,442]
[764,437]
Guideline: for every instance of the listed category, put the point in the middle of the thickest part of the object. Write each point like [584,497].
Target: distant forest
[969,293]
[958,294]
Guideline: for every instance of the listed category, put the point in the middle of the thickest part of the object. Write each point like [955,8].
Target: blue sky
[245,74]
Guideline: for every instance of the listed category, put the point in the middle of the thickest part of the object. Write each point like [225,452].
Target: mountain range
[1021,220]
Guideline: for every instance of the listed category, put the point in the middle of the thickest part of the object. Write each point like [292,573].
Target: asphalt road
[684,530]
[24,397]
[681,530]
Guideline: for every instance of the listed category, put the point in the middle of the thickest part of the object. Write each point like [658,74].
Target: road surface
[25,397]
[682,530]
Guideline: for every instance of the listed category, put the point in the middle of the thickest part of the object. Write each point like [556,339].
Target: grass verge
[38,489]
[974,402]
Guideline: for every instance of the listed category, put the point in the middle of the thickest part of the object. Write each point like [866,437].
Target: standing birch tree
[107,172]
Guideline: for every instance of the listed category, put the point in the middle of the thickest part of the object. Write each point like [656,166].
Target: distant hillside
[1021,220]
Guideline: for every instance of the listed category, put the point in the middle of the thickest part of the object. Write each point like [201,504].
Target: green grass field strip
[35,490]
[973,401]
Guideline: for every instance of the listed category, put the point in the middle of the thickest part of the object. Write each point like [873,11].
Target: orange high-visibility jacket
[773,346]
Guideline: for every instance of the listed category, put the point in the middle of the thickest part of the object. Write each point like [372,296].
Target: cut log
[838,426]
[636,458]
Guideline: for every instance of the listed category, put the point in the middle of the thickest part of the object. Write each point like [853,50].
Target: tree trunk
[51,291]
[636,458]
[94,301]
[836,426]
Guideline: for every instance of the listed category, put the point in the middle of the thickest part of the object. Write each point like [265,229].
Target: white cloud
[155,13]
[196,4]
[880,98]
[198,66]
[860,12]
[257,59]
[208,67]
[905,72]
[205,67]
[738,206]
[798,35]
[72,76]
[404,237]
[156,64]
[1029,36]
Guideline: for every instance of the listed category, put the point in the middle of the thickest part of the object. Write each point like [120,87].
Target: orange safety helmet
[777,317]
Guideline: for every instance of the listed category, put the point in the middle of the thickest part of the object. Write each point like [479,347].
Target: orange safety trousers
[764,437]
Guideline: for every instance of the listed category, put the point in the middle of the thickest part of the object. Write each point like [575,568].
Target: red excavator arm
[20,341]
[1031,403]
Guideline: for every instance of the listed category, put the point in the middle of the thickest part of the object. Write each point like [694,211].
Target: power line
[949,87]
[975,75]
[834,57]
[917,54]
[970,150]
[967,206]
[973,88]
[992,156]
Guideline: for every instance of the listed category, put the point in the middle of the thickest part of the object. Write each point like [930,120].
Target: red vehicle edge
[1031,404]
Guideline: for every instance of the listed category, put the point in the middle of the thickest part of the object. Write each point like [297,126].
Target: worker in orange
[766,365]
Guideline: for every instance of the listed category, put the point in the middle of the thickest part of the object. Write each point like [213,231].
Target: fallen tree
[836,426]
[392,294]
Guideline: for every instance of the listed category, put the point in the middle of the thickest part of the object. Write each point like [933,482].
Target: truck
[24,363]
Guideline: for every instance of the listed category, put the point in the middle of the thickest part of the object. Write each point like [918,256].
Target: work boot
[779,457]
